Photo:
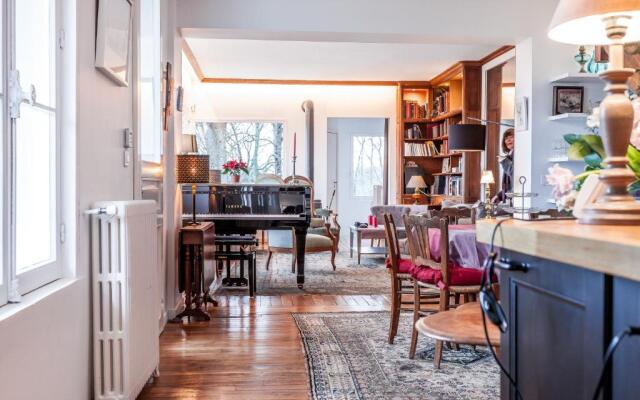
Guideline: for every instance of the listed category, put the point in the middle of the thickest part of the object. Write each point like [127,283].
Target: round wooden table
[462,325]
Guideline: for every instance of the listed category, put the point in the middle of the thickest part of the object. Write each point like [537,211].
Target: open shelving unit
[426,111]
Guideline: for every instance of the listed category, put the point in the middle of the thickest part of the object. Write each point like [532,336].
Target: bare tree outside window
[368,164]
[258,143]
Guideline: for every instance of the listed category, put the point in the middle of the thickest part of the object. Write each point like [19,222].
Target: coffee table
[372,233]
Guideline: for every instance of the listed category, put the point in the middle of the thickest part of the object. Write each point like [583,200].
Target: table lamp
[193,169]
[612,22]
[416,183]
[467,137]
[487,180]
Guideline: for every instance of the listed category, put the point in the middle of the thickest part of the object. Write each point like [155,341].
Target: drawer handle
[508,265]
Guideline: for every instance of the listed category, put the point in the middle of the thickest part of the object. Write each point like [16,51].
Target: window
[31,251]
[368,164]
[258,143]
[149,82]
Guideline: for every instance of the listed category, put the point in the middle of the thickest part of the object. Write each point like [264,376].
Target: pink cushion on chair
[405,266]
[459,276]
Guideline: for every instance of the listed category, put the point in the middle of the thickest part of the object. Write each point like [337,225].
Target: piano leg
[301,236]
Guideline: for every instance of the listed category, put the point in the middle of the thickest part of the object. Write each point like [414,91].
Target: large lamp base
[616,206]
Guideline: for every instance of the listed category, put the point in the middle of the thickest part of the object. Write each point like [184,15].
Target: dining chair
[433,273]
[400,272]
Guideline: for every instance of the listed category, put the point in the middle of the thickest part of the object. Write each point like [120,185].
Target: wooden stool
[462,325]
[224,255]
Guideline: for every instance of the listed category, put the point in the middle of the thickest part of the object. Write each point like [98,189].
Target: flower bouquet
[235,168]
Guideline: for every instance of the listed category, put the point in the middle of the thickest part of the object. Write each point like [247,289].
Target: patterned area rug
[349,278]
[349,358]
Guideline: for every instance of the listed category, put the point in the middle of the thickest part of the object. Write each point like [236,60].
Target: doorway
[357,167]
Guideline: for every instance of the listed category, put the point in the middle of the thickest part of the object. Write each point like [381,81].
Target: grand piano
[247,208]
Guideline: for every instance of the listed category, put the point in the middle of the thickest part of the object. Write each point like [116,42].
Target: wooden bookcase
[422,137]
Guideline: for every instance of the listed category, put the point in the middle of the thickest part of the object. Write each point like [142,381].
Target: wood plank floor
[250,349]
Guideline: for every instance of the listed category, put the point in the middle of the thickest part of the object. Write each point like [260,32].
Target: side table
[366,233]
[196,268]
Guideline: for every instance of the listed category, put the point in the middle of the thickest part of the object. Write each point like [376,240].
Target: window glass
[258,143]
[35,47]
[35,188]
[367,164]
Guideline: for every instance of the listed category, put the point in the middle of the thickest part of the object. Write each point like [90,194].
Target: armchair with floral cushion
[325,221]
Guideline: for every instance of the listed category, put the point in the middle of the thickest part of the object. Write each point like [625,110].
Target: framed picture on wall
[521,114]
[568,99]
[113,39]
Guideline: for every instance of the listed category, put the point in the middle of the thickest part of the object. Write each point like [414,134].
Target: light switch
[128,138]
[126,157]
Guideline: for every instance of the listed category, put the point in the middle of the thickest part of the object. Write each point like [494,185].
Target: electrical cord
[613,346]
[486,285]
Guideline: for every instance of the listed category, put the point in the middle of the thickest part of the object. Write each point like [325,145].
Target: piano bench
[226,252]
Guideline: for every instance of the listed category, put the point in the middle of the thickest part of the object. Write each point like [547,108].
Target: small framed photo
[568,99]
[113,39]
[521,114]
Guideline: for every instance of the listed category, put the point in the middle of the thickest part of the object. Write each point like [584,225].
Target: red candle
[294,143]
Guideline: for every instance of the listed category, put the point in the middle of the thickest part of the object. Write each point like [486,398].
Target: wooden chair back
[454,214]
[304,181]
[417,231]
[444,251]
[393,244]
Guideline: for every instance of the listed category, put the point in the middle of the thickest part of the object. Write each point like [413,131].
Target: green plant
[589,148]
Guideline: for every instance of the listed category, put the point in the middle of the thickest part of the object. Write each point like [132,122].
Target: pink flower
[561,179]
[635,132]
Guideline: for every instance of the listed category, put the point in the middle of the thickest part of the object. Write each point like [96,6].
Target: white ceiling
[354,39]
[275,59]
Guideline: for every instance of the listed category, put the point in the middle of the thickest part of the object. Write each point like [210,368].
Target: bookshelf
[426,110]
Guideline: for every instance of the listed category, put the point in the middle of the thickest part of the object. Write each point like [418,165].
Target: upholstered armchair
[284,242]
[319,223]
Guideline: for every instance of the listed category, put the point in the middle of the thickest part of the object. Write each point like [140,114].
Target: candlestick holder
[295,177]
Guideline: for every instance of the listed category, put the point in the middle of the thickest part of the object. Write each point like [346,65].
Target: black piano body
[247,208]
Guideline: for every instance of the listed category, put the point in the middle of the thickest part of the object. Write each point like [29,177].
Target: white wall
[538,60]
[45,349]
[223,102]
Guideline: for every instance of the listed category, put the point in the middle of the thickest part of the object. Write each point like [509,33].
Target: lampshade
[188,143]
[192,168]
[581,21]
[467,137]
[487,177]
[416,181]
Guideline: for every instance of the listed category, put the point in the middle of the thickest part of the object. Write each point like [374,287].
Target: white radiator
[126,298]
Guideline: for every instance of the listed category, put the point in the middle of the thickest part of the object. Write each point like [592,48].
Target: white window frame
[38,275]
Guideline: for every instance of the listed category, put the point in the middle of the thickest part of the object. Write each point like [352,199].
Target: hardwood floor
[250,349]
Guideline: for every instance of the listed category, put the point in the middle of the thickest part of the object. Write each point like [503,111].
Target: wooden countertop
[614,250]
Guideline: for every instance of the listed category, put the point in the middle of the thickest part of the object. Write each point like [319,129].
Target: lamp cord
[486,277]
[608,355]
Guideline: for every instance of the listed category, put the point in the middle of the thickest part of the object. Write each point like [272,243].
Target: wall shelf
[577,77]
[567,116]
[562,159]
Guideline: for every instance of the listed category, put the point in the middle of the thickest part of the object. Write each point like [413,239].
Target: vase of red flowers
[235,168]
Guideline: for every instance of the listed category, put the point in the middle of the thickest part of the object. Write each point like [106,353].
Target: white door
[360,167]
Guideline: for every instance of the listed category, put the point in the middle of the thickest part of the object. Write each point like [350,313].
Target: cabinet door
[554,344]
[626,362]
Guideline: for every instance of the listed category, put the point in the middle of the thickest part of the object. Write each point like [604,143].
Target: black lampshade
[192,168]
[467,137]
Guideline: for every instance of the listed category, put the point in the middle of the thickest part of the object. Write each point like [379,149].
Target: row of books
[438,130]
[440,102]
[447,185]
[420,149]
[432,131]
[413,109]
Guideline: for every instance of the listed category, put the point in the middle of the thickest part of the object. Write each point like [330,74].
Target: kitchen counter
[612,250]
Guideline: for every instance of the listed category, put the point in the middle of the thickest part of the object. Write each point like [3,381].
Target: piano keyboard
[259,217]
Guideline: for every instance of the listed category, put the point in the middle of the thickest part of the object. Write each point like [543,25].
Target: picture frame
[568,100]
[521,114]
[113,39]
